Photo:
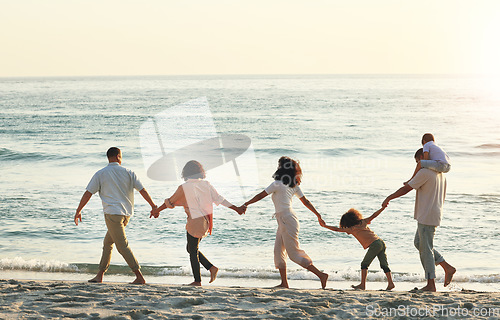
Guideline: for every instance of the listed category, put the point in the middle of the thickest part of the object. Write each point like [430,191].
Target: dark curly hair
[193,170]
[288,172]
[351,218]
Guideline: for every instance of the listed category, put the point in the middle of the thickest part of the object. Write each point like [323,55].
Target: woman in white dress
[197,196]
[286,183]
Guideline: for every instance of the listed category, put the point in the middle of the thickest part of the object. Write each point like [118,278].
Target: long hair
[193,170]
[350,218]
[288,172]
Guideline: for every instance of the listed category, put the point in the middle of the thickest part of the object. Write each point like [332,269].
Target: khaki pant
[287,242]
[116,235]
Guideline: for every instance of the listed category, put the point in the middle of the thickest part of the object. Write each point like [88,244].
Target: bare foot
[139,278]
[281,285]
[195,284]
[324,279]
[358,287]
[97,278]
[429,288]
[390,286]
[213,273]
[138,281]
[448,275]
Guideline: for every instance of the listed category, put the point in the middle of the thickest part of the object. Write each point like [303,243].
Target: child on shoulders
[435,158]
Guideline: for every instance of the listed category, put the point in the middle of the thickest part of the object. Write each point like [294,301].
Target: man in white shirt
[115,185]
[431,191]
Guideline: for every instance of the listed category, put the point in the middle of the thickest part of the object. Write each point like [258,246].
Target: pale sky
[186,37]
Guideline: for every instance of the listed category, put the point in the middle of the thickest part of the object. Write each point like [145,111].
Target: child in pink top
[352,222]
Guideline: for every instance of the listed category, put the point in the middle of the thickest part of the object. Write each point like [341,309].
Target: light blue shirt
[115,185]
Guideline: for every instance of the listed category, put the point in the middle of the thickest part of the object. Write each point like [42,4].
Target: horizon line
[252,75]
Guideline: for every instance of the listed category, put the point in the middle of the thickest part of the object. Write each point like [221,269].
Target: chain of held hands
[241,210]
[155,211]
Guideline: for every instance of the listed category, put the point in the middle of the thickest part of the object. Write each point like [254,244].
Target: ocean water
[354,135]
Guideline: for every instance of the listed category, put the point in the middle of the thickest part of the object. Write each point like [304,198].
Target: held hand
[78,216]
[154,212]
[241,210]
[321,222]
[385,203]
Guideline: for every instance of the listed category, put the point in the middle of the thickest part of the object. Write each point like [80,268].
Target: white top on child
[436,153]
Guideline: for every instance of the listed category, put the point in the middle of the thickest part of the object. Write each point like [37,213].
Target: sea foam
[18,263]
[347,274]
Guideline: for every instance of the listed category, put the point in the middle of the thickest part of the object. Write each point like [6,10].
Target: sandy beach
[64,299]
